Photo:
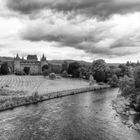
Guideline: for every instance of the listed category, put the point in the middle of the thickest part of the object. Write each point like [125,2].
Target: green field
[29,84]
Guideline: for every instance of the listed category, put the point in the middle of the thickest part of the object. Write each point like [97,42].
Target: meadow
[26,85]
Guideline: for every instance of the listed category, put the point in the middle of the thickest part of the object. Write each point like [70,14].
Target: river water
[87,116]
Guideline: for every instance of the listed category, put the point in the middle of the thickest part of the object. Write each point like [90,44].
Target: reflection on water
[87,116]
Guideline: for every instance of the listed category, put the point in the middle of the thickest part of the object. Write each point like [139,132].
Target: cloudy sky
[71,29]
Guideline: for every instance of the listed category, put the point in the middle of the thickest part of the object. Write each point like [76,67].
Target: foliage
[114,81]
[125,70]
[83,72]
[45,67]
[46,72]
[65,66]
[109,73]
[137,77]
[64,74]
[27,70]
[73,69]
[19,72]
[55,68]
[127,86]
[52,76]
[35,95]
[4,68]
[98,70]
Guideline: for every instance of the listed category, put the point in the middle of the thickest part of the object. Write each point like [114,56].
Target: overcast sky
[71,29]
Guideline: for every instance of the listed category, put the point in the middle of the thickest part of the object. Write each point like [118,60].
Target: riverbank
[17,101]
[122,106]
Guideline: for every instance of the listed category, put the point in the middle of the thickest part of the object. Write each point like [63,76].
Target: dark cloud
[89,42]
[101,8]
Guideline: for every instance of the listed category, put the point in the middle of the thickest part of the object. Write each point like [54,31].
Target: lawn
[28,84]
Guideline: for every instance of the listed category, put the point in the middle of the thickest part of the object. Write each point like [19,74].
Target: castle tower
[43,61]
[17,63]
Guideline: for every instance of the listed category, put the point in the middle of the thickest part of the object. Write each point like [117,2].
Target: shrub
[35,95]
[19,72]
[127,86]
[73,69]
[113,82]
[46,72]
[98,69]
[64,74]
[137,77]
[4,68]
[52,76]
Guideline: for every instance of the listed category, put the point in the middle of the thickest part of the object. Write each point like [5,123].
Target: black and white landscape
[69,70]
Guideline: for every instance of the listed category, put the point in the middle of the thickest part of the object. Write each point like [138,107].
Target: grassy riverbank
[16,101]
[23,90]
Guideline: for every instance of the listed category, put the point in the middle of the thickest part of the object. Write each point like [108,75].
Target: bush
[127,86]
[137,77]
[136,103]
[113,82]
[35,96]
[52,76]
[73,69]
[4,68]
[19,72]
[99,70]
[46,73]
[64,74]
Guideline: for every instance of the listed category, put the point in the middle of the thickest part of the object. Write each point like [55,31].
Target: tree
[45,67]
[137,77]
[4,68]
[55,68]
[27,70]
[64,74]
[73,69]
[99,70]
[83,72]
[109,73]
[125,70]
[127,86]
[46,70]
[114,81]
[65,66]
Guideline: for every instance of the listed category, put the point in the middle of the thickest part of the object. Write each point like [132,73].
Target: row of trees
[130,88]
[100,70]
[4,69]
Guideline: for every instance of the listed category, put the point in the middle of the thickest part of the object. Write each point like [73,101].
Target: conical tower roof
[43,58]
[17,57]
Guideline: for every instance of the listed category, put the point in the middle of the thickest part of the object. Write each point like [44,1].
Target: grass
[23,90]
[31,84]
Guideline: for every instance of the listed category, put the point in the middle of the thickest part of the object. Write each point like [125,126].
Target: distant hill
[113,64]
[5,59]
[60,62]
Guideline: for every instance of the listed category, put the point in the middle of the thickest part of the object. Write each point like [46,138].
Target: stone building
[31,65]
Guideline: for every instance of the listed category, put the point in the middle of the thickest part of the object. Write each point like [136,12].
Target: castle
[31,65]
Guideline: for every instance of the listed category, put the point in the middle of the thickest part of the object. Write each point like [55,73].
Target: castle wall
[17,65]
[34,68]
[34,65]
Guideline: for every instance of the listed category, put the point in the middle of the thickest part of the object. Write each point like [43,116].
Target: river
[87,116]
